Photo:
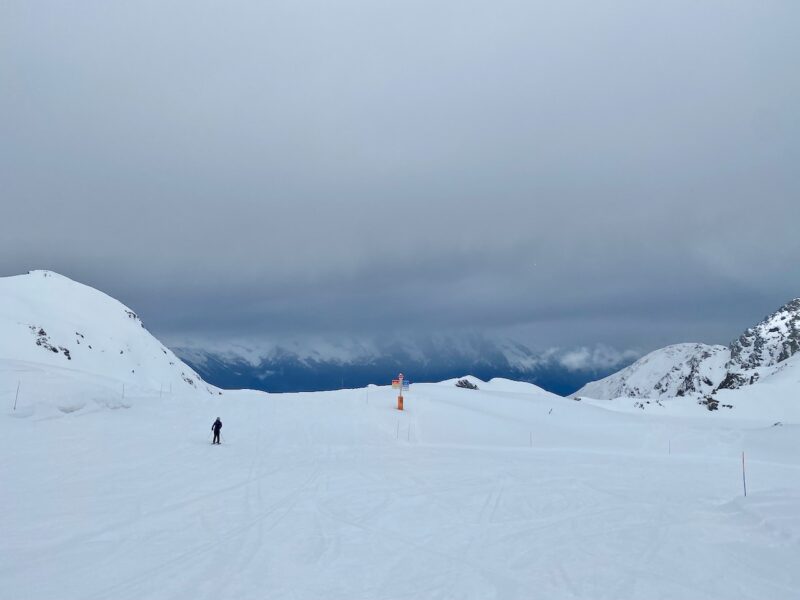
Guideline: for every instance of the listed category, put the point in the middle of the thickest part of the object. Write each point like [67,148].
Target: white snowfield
[505,492]
[466,494]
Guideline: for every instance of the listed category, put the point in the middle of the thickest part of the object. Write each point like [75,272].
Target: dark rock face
[694,381]
[732,381]
[773,340]
[465,383]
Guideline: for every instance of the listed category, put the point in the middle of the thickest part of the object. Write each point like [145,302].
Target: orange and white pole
[400,396]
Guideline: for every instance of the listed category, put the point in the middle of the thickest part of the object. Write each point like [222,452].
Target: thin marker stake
[397,435]
[17,396]
[744,479]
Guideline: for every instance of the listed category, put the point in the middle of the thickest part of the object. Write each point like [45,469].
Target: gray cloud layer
[571,173]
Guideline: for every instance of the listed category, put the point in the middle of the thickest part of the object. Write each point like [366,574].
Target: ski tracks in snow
[280,508]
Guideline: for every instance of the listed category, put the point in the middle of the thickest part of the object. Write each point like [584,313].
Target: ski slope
[507,492]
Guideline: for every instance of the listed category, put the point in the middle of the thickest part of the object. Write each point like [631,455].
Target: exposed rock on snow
[773,340]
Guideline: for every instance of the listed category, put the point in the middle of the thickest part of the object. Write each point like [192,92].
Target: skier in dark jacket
[215,428]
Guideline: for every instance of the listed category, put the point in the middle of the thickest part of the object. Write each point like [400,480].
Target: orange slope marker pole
[400,395]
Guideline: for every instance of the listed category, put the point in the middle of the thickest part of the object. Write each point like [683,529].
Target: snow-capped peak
[698,368]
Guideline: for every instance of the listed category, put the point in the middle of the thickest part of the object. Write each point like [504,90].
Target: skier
[215,428]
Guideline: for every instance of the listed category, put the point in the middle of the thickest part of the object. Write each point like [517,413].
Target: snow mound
[471,378]
[501,384]
[74,340]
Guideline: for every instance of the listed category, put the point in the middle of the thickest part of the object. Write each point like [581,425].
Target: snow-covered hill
[81,345]
[671,371]
[700,369]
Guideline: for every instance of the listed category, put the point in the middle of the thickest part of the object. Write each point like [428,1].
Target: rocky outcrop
[685,369]
[773,340]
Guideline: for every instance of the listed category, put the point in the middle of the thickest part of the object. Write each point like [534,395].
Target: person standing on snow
[215,428]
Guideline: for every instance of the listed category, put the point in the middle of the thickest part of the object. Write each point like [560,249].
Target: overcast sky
[623,173]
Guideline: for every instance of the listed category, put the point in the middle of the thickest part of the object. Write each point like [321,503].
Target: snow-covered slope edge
[700,369]
[73,345]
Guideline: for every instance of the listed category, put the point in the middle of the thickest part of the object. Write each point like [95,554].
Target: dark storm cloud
[579,172]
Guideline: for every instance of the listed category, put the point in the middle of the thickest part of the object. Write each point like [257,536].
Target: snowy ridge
[700,369]
[53,329]
[672,371]
[346,351]
[256,352]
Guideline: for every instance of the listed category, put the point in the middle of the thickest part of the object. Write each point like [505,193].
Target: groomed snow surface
[505,492]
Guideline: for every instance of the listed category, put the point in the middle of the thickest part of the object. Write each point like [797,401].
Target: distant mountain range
[685,369]
[50,322]
[315,365]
